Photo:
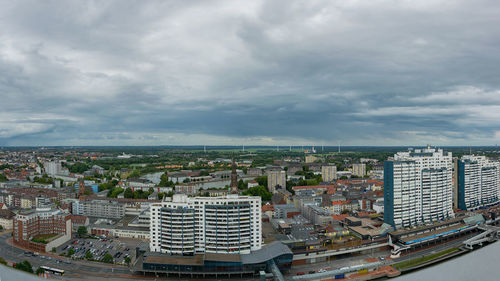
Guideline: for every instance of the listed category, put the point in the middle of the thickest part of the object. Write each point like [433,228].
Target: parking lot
[119,249]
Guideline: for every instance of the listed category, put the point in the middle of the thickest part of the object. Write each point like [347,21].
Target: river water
[482,264]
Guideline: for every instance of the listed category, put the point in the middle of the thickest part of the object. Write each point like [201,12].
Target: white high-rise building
[52,168]
[183,225]
[276,178]
[477,182]
[418,187]
[329,172]
[359,170]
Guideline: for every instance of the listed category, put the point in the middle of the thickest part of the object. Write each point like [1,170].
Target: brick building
[51,226]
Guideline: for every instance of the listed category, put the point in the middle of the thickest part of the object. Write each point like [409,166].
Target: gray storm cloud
[249,72]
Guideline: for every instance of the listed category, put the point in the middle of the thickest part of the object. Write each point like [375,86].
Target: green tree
[53,249]
[161,195]
[108,258]
[108,185]
[2,261]
[128,193]
[164,182]
[241,185]
[39,271]
[262,180]
[261,191]
[78,167]
[3,177]
[25,266]
[127,260]
[45,179]
[151,190]
[113,193]
[134,174]
[89,256]
[70,253]
[82,230]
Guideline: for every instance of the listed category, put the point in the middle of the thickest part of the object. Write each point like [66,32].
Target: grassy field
[417,261]
[43,238]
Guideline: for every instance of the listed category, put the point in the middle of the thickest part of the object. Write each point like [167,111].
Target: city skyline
[280,73]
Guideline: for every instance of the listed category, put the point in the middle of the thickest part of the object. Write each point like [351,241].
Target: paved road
[356,260]
[80,270]
[76,268]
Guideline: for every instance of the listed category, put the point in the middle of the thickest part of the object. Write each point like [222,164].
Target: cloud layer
[249,72]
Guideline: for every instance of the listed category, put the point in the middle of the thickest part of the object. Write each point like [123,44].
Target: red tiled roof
[313,186]
[78,219]
[366,214]
[266,208]
[341,202]
[340,217]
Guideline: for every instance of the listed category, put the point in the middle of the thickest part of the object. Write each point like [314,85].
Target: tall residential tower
[184,225]
[418,187]
[276,178]
[329,172]
[476,182]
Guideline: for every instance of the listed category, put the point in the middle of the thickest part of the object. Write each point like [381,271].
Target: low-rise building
[78,221]
[6,217]
[254,172]
[282,211]
[189,189]
[99,208]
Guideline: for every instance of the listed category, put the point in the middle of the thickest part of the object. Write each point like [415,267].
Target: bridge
[329,253]
[332,273]
[490,234]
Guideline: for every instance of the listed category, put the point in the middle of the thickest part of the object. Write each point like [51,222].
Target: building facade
[276,178]
[42,221]
[359,170]
[184,225]
[329,173]
[418,187]
[6,217]
[52,168]
[99,209]
[476,182]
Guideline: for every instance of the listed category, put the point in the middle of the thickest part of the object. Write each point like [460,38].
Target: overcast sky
[249,72]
